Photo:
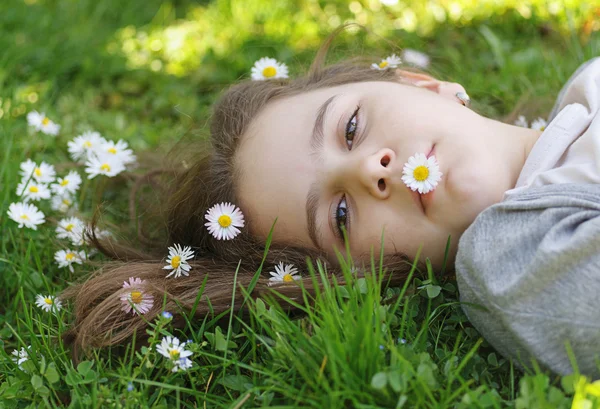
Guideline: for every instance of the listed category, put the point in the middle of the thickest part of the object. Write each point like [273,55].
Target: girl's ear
[445,89]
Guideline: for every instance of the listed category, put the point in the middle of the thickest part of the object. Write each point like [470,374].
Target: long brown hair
[189,192]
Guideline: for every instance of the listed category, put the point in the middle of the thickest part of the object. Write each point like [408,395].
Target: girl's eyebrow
[312,197]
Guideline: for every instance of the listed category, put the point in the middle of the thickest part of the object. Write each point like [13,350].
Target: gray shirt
[528,268]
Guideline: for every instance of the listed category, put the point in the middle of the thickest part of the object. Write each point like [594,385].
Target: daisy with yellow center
[392,61]
[224,220]
[135,298]
[284,273]
[105,164]
[26,214]
[71,228]
[48,303]
[69,184]
[421,173]
[539,124]
[42,173]
[40,122]
[82,147]
[177,261]
[119,149]
[174,350]
[66,258]
[268,68]
[62,203]
[33,190]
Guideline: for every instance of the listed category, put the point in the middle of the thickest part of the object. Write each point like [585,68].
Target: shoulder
[577,82]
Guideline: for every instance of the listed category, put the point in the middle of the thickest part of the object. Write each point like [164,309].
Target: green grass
[92,65]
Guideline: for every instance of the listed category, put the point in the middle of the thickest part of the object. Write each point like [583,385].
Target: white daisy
[136,296]
[267,68]
[177,261]
[421,173]
[66,258]
[416,58]
[48,303]
[120,149]
[171,348]
[26,214]
[107,165]
[224,220]
[284,273]
[33,190]
[44,173]
[62,203]
[539,124]
[182,364]
[84,145]
[68,184]
[71,228]
[522,121]
[392,61]
[40,122]
[20,356]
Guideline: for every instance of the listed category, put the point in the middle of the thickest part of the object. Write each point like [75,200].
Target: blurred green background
[149,70]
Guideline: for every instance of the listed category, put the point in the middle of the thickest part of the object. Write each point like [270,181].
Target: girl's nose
[374,172]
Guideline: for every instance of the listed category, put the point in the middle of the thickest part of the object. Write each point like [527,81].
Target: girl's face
[335,156]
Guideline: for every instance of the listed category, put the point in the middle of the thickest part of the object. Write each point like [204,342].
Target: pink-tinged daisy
[177,260]
[135,298]
[48,303]
[224,220]
[421,173]
[393,61]
[284,273]
[26,214]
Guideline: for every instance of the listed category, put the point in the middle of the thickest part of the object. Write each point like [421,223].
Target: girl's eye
[341,217]
[351,128]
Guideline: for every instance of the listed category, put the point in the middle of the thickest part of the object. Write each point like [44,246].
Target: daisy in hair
[68,184]
[71,228]
[120,149]
[224,220]
[62,203]
[40,122]
[33,190]
[392,61]
[539,124]
[135,298]
[421,173]
[177,260]
[174,350]
[107,165]
[84,145]
[66,258]
[26,214]
[284,273]
[268,68]
[44,173]
[48,303]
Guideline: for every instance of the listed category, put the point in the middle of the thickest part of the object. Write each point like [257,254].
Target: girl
[317,157]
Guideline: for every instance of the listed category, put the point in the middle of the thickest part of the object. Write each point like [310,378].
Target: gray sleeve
[530,267]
